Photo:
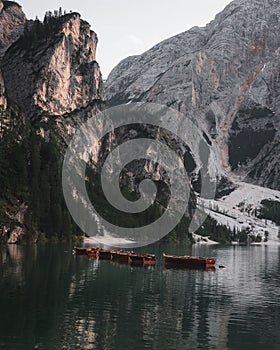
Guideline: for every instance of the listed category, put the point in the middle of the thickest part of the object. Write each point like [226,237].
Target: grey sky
[129,27]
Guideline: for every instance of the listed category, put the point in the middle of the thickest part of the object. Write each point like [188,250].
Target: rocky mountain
[50,83]
[224,77]
[54,74]
[12,21]
[48,68]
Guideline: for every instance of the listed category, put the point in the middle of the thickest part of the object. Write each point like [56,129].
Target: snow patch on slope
[238,210]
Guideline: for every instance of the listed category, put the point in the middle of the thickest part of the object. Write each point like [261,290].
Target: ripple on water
[75,303]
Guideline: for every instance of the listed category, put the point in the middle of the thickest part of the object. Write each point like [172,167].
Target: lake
[50,299]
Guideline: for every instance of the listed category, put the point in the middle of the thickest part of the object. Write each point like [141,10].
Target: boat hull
[121,257]
[93,253]
[80,251]
[188,261]
[142,260]
[105,254]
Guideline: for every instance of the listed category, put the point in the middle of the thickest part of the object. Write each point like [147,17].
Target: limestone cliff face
[50,83]
[52,68]
[225,77]
[12,20]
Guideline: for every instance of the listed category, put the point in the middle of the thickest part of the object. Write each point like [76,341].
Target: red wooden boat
[142,259]
[121,256]
[188,261]
[105,254]
[93,253]
[81,251]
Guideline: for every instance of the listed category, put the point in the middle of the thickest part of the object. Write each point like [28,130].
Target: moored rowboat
[188,261]
[142,259]
[81,251]
[121,256]
[105,254]
[93,253]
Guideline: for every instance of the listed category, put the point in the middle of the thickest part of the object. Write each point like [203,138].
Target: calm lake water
[50,299]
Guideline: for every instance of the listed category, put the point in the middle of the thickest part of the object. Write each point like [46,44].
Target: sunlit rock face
[52,69]
[225,77]
[12,20]
[50,83]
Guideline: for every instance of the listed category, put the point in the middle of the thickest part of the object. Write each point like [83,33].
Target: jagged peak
[56,59]
[240,6]
[53,28]
[12,20]
[7,4]
[58,16]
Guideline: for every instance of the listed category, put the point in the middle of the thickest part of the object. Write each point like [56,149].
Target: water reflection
[53,299]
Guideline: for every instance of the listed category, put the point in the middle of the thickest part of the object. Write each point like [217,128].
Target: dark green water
[50,299]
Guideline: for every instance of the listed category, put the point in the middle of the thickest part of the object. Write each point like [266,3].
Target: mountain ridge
[215,73]
[223,77]
[50,83]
